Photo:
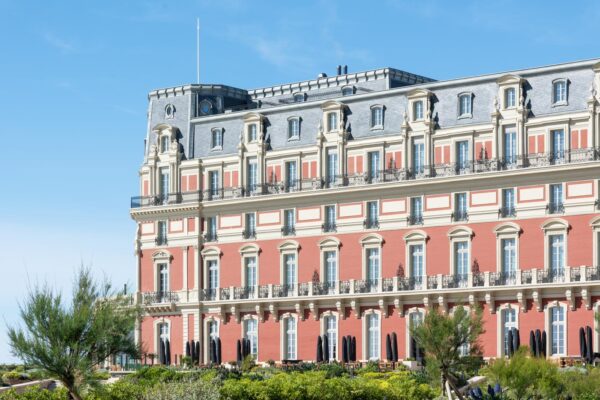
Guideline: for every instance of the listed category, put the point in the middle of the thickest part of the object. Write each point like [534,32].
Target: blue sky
[74,77]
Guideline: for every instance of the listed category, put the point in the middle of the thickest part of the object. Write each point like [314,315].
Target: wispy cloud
[61,44]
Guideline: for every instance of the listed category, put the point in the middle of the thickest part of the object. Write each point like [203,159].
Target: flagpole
[198,50]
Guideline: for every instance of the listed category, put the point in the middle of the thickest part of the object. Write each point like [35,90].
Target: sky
[74,79]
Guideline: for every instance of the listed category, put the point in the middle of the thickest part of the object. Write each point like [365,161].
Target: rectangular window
[461,260]
[163,279]
[509,322]
[460,207]
[508,203]
[465,106]
[294,128]
[559,91]
[251,333]
[332,167]
[250,226]
[557,327]
[290,271]
[373,336]
[213,182]
[556,199]
[164,185]
[161,238]
[418,159]
[252,133]
[250,273]
[510,147]
[558,145]
[418,110]
[557,255]
[372,220]
[416,262]
[252,176]
[291,176]
[416,211]
[330,258]
[211,229]
[290,338]
[329,225]
[289,222]
[509,257]
[462,156]
[510,98]
[373,269]
[331,331]
[217,139]
[213,333]
[377,117]
[332,122]
[374,169]
[213,274]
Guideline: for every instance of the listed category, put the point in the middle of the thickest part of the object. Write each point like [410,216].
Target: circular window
[205,107]
[170,111]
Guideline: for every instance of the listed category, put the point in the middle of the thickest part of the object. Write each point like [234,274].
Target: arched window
[347,91]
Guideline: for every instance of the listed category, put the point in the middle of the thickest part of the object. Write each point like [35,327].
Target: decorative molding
[535,295]
[399,306]
[383,307]
[570,296]
[489,300]
[339,305]
[522,301]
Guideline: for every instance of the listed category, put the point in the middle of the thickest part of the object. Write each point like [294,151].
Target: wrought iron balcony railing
[555,208]
[507,212]
[160,240]
[329,227]
[371,223]
[210,237]
[249,233]
[460,215]
[415,219]
[160,297]
[288,230]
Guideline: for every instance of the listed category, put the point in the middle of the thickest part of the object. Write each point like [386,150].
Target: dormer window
[294,128]
[169,111]
[164,144]
[332,124]
[377,117]
[465,105]
[510,98]
[205,107]
[418,110]
[559,92]
[347,91]
[217,139]
[299,98]
[252,133]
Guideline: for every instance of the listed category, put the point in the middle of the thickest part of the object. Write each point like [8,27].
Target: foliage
[36,393]
[185,390]
[442,336]
[247,363]
[70,341]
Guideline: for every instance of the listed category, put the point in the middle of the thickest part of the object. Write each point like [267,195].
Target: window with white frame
[211,229]
[294,128]
[331,268]
[462,156]
[347,91]
[374,167]
[556,199]
[330,219]
[460,207]
[163,188]
[461,260]
[416,211]
[163,335]
[299,97]
[465,105]
[251,175]
[418,111]
[291,176]
[509,256]
[250,225]
[213,276]
[290,270]
[212,328]
[163,279]
[164,144]
[559,92]
[557,330]
[330,325]
[372,220]
[217,139]
[373,336]
[332,121]
[415,257]
[373,265]
[251,333]
[415,318]
[510,97]
[250,272]
[509,322]
[557,254]
[507,259]
[289,338]
[213,183]
[252,133]
[161,238]
[377,117]
[508,203]
[331,166]
[510,146]
[289,222]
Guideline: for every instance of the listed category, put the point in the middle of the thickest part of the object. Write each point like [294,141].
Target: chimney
[345,69]
[339,69]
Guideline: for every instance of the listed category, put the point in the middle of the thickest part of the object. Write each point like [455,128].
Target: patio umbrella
[349,347]
[583,343]
[590,345]
[532,343]
[218,350]
[162,353]
[544,343]
[353,347]
[344,350]
[538,343]
[413,348]
[247,347]
[394,347]
[516,339]
[187,349]
[509,340]
[239,352]
[319,349]
[197,350]
[326,355]
[213,351]
[168,352]
[388,348]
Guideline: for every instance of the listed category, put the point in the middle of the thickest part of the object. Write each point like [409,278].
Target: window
[416,211]
[508,203]
[373,174]
[509,259]
[289,342]
[460,207]
[558,146]
[205,107]
[510,98]
[251,333]
[213,182]
[213,276]
[556,199]
[557,330]
[461,261]
[418,157]
[510,147]
[289,223]
[332,124]
[415,319]
[169,111]
[509,322]
[290,270]
[417,110]
[331,274]
[332,167]
[462,157]
[299,98]
[294,129]
[557,255]
[163,279]
[559,92]
[465,106]
[416,263]
[377,117]
[163,188]
[163,336]
[250,226]
[347,91]
[217,139]
[373,336]
[250,273]
[164,144]
[161,238]
[372,220]
[291,176]
[373,266]
[251,176]
[211,229]
[331,332]
[252,133]
[329,225]
[213,334]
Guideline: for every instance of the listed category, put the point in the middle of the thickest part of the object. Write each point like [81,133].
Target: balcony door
[418,159]
[510,147]
[558,145]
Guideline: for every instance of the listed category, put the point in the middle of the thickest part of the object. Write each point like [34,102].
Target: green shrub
[581,383]
[35,393]
[184,390]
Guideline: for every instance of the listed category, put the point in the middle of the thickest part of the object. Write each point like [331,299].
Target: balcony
[460,215]
[288,230]
[210,237]
[385,176]
[507,212]
[371,223]
[416,219]
[555,208]
[160,240]
[249,233]
[329,227]
[160,297]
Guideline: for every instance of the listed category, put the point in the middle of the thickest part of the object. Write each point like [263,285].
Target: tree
[451,344]
[70,341]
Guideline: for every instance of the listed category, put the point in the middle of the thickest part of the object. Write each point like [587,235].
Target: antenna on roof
[197,50]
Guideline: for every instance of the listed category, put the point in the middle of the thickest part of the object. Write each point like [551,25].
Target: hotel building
[351,204]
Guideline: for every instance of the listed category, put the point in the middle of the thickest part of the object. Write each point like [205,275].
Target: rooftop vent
[322,75]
